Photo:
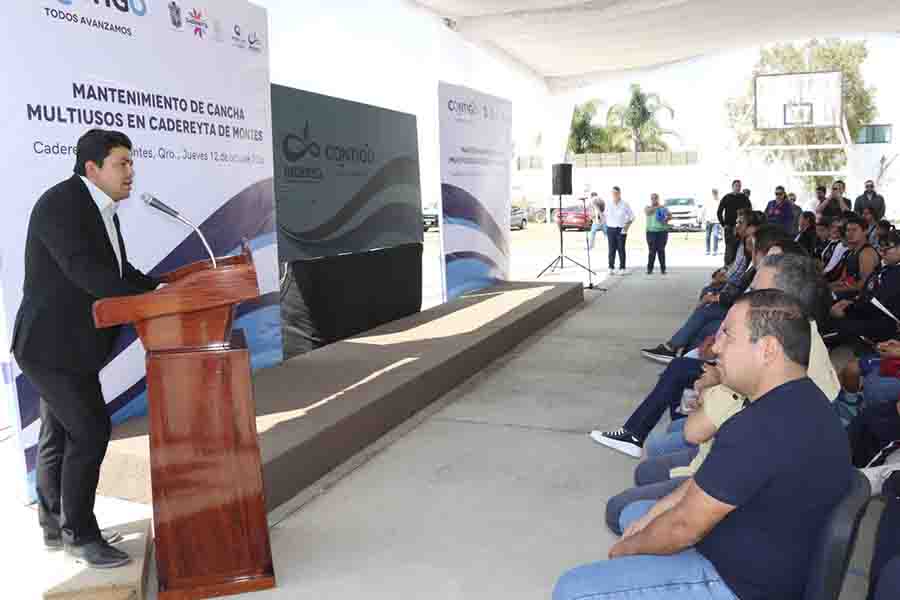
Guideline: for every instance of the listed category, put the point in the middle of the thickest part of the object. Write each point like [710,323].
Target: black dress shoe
[53,540]
[98,555]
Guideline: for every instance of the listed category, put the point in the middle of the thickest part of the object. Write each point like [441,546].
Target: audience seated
[807,235]
[793,273]
[834,254]
[862,259]
[872,313]
[743,526]
[705,319]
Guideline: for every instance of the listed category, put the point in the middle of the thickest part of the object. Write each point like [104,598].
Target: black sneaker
[660,354]
[98,555]
[53,539]
[621,440]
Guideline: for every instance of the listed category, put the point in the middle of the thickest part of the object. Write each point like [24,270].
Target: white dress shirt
[107,207]
[618,215]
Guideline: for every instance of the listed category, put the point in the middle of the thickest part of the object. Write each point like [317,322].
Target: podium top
[194,288]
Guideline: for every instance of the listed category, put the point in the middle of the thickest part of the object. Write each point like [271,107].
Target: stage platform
[317,410]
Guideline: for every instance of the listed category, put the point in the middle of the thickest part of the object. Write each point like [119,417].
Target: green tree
[815,55]
[638,119]
[585,136]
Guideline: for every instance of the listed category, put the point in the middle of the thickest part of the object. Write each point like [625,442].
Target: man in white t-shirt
[619,217]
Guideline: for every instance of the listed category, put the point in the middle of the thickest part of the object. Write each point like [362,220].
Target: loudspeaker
[562,179]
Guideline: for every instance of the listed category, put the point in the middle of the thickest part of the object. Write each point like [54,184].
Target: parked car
[517,218]
[574,217]
[687,214]
[429,218]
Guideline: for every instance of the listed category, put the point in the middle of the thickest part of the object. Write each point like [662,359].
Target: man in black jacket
[727,213]
[75,255]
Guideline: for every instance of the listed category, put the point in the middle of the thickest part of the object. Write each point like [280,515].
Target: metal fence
[640,159]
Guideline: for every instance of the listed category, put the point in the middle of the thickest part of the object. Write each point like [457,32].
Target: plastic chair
[832,556]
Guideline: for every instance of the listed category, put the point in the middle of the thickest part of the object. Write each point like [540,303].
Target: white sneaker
[624,272]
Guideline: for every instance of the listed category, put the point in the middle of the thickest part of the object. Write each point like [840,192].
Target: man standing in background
[618,217]
[870,199]
[712,226]
[727,215]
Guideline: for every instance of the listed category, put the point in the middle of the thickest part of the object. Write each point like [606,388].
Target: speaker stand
[560,261]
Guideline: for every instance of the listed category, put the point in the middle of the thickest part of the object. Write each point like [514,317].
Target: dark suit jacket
[69,264]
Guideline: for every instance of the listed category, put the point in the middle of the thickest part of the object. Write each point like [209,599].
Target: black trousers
[656,243]
[731,245]
[615,239]
[75,430]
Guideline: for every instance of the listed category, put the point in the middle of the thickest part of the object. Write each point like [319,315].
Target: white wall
[392,54]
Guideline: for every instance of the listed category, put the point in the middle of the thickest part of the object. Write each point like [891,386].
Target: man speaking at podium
[75,255]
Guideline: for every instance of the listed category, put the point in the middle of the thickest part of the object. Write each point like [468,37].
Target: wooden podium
[209,515]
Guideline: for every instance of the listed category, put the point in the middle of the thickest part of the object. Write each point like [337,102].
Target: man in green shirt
[657,233]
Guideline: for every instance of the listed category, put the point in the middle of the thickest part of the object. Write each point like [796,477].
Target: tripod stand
[560,261]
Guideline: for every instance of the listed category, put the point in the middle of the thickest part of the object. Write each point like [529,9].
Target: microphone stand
[201,236]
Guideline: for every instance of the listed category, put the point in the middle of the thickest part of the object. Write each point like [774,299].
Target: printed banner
[476,154]
[189,84]
[346,176]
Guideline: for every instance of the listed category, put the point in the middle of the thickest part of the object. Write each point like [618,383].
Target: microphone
[153,202]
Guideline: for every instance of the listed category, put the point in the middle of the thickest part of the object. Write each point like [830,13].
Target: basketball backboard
[799,100]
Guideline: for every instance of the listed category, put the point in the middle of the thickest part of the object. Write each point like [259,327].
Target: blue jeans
[700,318]
[687,575]
[712,234]
[656,469]
[671,441]
[616,241]
[654,491]
[679,374]
[595,227]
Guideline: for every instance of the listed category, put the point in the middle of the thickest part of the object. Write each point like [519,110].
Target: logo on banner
[254,42]
[198,22]
[175,16]
[237,37]
[296,148]
[138,7]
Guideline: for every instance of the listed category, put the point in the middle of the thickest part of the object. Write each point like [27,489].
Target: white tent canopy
[572,43]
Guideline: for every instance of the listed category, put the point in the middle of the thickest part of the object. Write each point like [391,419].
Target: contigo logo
[464,107]
[295,147]
[138,7]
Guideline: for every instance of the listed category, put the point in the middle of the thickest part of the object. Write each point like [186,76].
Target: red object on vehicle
[574,217]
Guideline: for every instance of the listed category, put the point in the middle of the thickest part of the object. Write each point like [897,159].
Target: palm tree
[638,120]
[585,136]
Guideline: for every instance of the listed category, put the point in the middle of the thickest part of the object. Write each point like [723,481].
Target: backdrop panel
[349,216]
[476,154]
[191,88]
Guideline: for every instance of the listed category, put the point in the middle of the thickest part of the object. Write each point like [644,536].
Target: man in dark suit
[75,255]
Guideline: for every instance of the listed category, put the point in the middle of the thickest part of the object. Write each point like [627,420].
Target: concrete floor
[493,491]
[497,489]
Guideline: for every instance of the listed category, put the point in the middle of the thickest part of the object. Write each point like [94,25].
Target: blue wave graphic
[468,272]
[461,206]
[397,220]
[399,171]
